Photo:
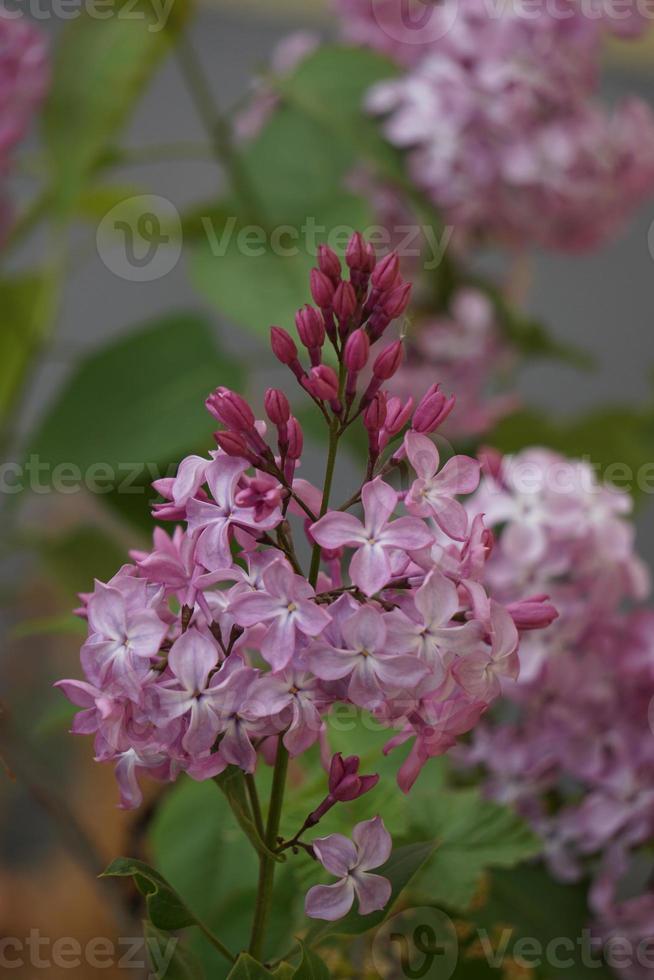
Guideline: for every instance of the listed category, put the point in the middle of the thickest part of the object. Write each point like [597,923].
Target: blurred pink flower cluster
[579,729]
[466,351]
[496,111]
[209,649]
[24,77]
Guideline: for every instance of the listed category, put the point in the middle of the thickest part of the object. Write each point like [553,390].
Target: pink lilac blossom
[496,114]
[219,645]
[578,724]
[24,80]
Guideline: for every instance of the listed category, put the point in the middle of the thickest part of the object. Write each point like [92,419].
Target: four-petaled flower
[433,493]
[351,861]
[370,568]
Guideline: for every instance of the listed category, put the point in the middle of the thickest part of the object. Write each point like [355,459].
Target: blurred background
[603,302]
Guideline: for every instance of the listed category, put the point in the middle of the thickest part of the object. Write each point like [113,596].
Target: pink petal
[330,902]
[374,844]
[278,645]
[190,477]
[335,530]
[192,658]
[106,612]
[145,632]
[450,516]
[505,634]
[79,693]
[373,891]
[255,607]
[330,664]
[423,454]
[336,853]
[379,502]
[222,476]
[311,619]
[408,533]
[370,568]
[213,550]
[437,600]
[459,475]
[365,630]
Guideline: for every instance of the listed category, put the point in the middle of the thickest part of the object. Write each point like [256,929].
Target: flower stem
[254,803]
[215,942]
[266,862]
[329,477]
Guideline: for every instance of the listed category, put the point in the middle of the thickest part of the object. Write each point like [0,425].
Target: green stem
[254,803]
[266,863]
[217,126]
[329,477]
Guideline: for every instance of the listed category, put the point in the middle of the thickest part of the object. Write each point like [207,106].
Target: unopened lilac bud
[396,302]
[389,361]
[310,327]
[231,409]
[295,439]
[432,410]
[322,381]
[233,444]
[386,273]
[534,613]
[374,417]
[355,253]
[277,407]
[322,289]
[357,350]
[344,302]
[329,262]
[397,414]
[345,784]
[283,345]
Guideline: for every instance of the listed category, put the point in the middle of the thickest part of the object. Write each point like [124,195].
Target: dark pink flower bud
[322,289]
[356,352]
[322,381]
[295,439]
[310,327]
[345,784]
[356,254]
[233,444]
[386,273]
[329,262]
[396,302]
[534,613]
[432,410]
[344,302]
[374,416]
[283,345]
[231,409]
[277,407]
[388,362]
[397,414]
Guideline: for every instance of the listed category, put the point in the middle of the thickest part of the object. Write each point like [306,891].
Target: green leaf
[207,864]
[473,834]
[166,910]
[232,783]
[135,407]
[284,971]
[170,962]
[74,560]
[24,305]
[402,866]
[311,966]
[65,624]
[101,66]
[527,902]
[246,968]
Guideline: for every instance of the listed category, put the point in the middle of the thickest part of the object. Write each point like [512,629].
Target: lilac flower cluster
[576,751]
[23,83]
[497,115]
[218,645]
[465,349]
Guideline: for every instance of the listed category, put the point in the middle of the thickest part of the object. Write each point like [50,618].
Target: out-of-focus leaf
[311,966]
[94,202]
[136,406]
[77,558]
[246,968]
[168,958]
[101,65]
[473,835]
[66,624]
[24,313]
[528,903]
[400,869]
[284,972]
[618,441]
[55,719]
